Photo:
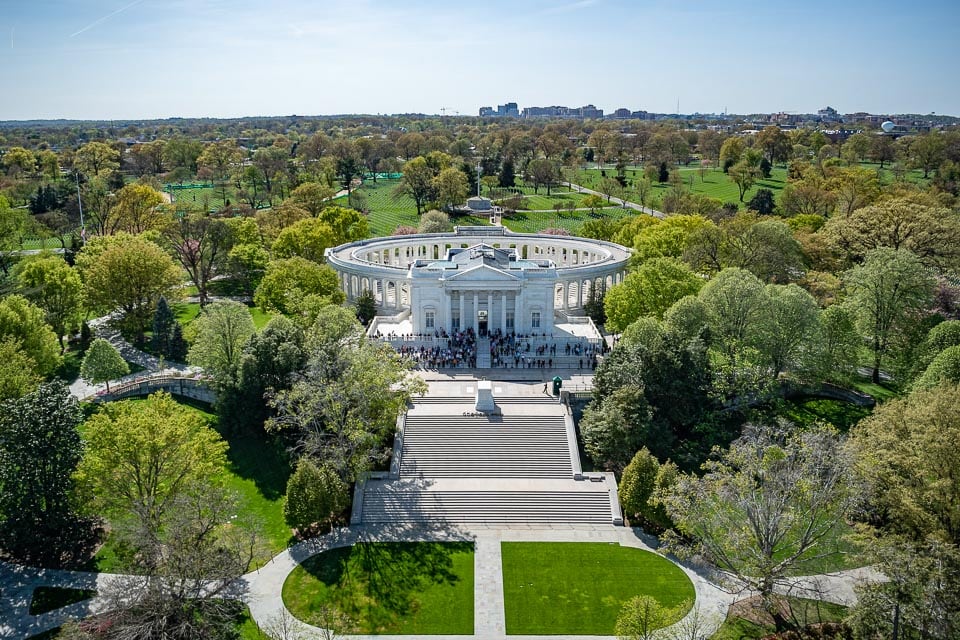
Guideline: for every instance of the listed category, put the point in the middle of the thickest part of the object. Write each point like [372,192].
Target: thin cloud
[571,6]
[105,18]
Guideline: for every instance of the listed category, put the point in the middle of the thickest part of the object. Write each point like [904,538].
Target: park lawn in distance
[418,588]
[568,588]
[536,221]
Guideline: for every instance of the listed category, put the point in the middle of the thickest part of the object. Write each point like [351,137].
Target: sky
[138,59]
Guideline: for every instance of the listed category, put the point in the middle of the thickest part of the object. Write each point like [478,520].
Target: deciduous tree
[103,363]
[315,494]
[650,290]
[221,331]
[55,287]
[23,322]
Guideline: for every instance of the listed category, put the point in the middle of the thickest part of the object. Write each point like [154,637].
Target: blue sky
[116,59]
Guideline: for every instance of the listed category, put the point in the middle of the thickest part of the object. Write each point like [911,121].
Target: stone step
[487,506]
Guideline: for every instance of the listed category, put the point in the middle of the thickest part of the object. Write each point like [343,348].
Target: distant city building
[508,110]
[828,113]
[621,113]
[556,111]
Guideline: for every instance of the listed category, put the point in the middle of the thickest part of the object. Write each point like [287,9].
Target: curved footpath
[261,590]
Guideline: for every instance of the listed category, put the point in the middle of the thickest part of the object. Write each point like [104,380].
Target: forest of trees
[846,278]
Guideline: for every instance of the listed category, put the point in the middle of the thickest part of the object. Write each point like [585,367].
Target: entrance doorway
[482,322]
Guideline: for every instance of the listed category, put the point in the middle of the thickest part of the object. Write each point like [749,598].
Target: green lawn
[46,599]
[533,222]
[256,471]
[186,312]
[565,588]
[842,415]
[419,588]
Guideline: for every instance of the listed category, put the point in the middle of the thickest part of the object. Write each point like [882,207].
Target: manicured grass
[535,221]
[420,588]
[561,588]
[842,415]
[387,211]
[187,312]
[46,599]
[880,392]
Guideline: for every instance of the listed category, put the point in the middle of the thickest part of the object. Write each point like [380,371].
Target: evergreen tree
[163,322]
[37,521]
[366,307]
[178,346]
[507,176]
[663,174]
[314,495]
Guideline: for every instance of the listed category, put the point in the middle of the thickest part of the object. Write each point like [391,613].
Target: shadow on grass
[379,584]
[260,459]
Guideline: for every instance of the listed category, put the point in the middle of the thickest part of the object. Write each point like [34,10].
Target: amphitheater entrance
[482,322]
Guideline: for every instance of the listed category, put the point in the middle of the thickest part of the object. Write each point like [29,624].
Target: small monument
[484,402]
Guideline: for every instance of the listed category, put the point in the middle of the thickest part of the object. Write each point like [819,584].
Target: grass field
[534,221]
[842,415]
[420,588]
[566,588]
[256,472]
[388,211]
[186,312]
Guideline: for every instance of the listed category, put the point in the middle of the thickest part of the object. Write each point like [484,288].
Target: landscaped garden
[566,588]
[419,588]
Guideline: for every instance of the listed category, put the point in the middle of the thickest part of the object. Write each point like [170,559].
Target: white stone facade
[484,278]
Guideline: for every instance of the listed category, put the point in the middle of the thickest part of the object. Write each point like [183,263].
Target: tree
[789,328]
[945,367]
[312,197]
[103,363]
[163,323]
[927,151]
[839,343]
[315,495]
[542,173]
[743,174]
[907,455]
[142,457]
[129,275]
[268,363]
[601,139]
[307,239]
[55,287]
[13,224]
[641,617]
[774,143]
[23,322]
[135,208]
[346,400]
[366,306]
[932,233]
[40,448]
[507,178]
[97,159]
[733,302]
[217,161]
[288,281]
[887,293]
[730,152]
[222,331]
[200,244]
[641,479]
[650,290]
[767,507]
[763,202]
[434,221]
[450,187]
[18,160]
[417,182]
[18,372]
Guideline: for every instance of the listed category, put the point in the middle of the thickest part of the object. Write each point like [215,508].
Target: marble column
[463,314]
[489,311]
[503,311]
[476,306]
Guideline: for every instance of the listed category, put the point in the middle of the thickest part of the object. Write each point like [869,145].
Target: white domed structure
[888,126]
[482,278]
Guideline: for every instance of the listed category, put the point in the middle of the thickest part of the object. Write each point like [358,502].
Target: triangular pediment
[482,273]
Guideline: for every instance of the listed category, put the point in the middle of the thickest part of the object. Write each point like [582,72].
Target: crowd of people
[507,350]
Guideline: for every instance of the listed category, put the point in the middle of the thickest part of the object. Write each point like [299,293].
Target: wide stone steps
[503,447]
[487,507]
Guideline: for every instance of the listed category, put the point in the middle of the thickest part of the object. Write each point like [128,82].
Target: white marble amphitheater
[482,278]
